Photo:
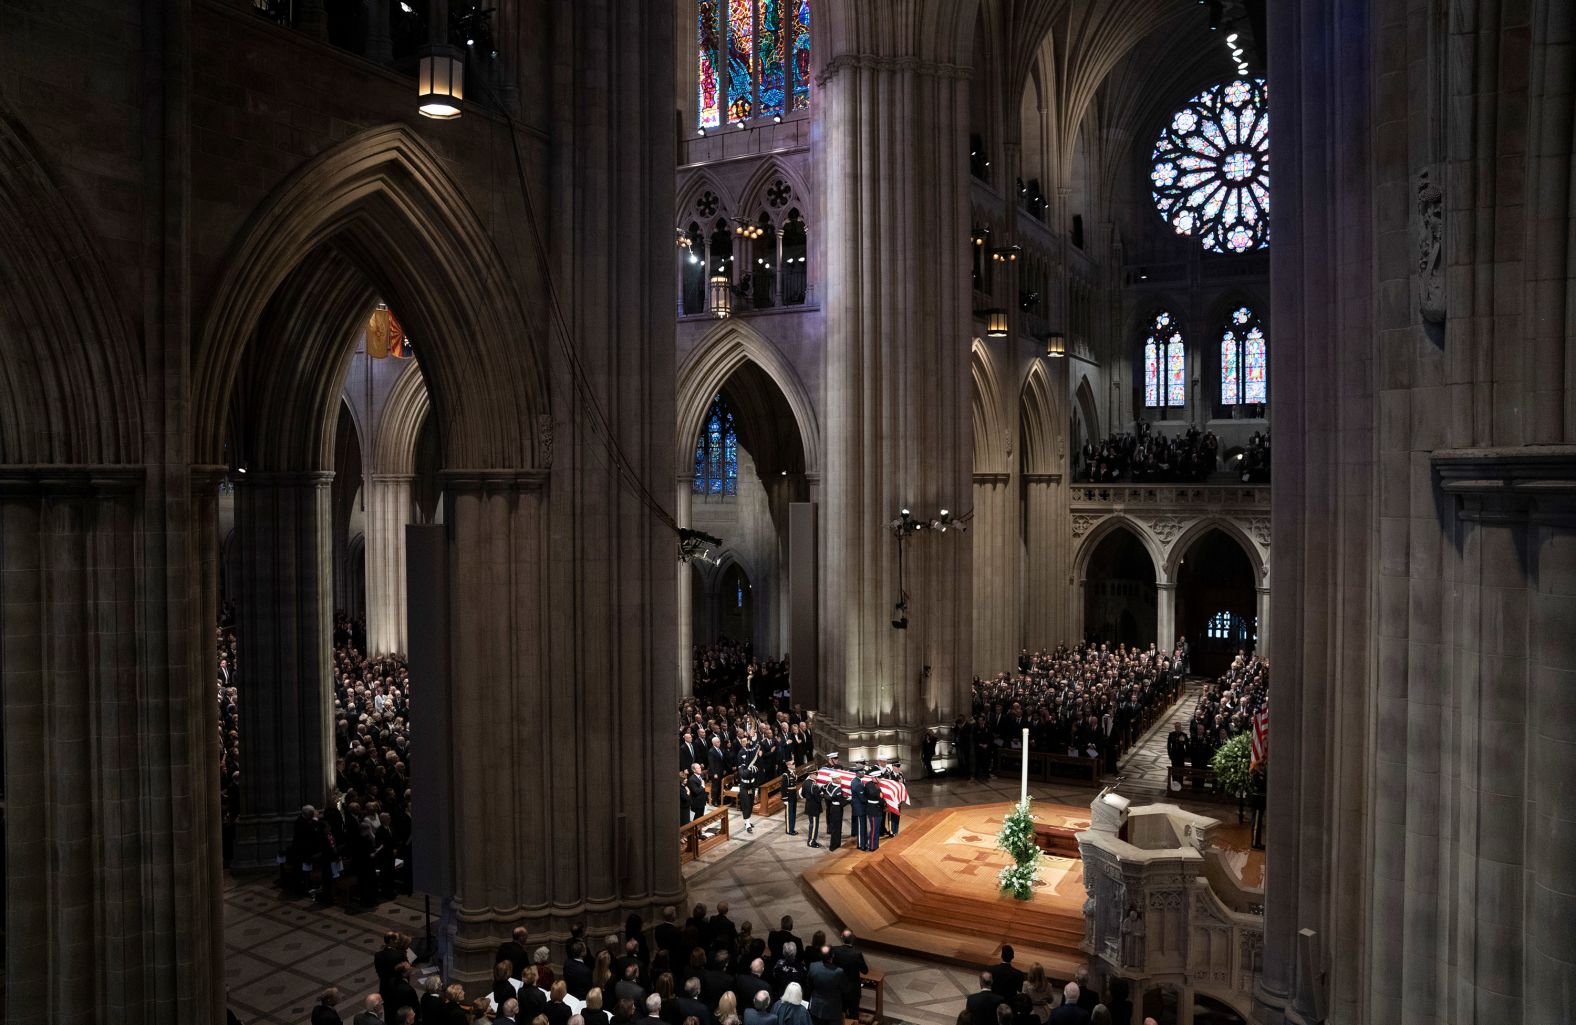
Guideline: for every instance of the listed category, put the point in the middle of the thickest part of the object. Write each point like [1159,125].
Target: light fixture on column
[721,296]
[995,323]
[440,82]
[1007,254]
[1055,345]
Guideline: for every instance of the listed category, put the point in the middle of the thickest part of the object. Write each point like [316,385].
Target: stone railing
[1167,510]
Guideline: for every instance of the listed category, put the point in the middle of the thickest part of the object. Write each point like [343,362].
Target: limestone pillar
[1165,615]
[312,18]
[991,534]
[285,633]
[388,512]
[1047,542]
[379,44]
[685,593]
[1261,646]
[111,828]
[892,112]
[599,847]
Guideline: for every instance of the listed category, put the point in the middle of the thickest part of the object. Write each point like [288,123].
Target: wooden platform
[932,892]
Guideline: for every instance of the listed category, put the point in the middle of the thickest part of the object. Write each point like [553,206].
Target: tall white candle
[1023,794]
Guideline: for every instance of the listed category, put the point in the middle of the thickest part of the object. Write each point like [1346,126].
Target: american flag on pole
[1261,736]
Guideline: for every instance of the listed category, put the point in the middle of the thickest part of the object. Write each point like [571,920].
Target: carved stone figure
[1133,937]
[1430,249]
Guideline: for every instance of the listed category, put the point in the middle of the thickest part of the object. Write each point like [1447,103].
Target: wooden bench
[875,981]
[1045,766]
[693,841]
[1186,775]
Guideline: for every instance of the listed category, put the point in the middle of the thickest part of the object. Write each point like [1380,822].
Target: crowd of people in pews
[364,828]
[227,679]
[704,970]
[728,672]
[1145,455]
[716,740]
[1010,996]
[1087,701]
[1225,709]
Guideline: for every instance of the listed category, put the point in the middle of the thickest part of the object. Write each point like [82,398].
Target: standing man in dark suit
[812,812]
[835,800]
[717,765]
[1069,1013]
[1176,749]
[684,800]
[1007,980]
[850,960]
[826,990]
[513,951]
[668,937]
[689,751]
[982,1005]
[577,970]
[697,793]
[782,934]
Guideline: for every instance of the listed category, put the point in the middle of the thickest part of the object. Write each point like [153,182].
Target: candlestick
[1023,794]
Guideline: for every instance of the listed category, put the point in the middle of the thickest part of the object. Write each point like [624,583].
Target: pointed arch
[1042,423]
[992,442]
[1232,529]
[1104,529]
[707,367]
[399,426]
[1084,397]
[754,199]
[378,216]
[690,193]
[69,392]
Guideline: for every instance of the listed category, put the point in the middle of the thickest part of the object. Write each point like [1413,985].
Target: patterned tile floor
[280,954]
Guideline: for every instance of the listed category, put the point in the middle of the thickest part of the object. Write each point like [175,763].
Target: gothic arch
[1043,443]
[68,390]
[690,193]
[992,443]
[399,426]
[376,215]
[726,348]
[1232,529]
[1106,527]
[753,196]
[1087,408]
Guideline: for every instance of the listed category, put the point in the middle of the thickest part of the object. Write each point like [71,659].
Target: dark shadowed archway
[1120,597]
[1217,601]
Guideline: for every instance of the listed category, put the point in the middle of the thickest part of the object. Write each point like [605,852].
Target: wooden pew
[873,981]
[693,841]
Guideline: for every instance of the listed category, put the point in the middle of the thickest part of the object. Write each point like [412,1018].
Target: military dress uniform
[835,799]
[812,812]
[749,776]
[874,803]
[856,808]
[790,799]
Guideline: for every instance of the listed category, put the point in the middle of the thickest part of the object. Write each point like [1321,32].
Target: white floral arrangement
[1017,839]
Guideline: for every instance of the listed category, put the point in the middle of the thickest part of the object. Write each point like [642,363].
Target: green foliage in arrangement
[1232,765]
[1017,839]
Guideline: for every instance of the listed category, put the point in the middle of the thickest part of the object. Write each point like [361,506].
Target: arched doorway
[1217,601]
[735,603]
[1120,598]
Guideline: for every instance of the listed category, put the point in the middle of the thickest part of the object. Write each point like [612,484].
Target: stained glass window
[709,65]
[717,452]
[771,53]
[1165,363]
[1211,172]
[801,57]
[1244,359]
[753,59]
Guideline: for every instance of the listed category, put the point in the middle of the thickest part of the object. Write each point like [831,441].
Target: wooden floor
[932,892]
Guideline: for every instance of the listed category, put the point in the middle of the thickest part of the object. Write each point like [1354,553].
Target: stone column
[1165,615]
[312,18]
[1262,644]
[111,830]
[388,512]
[603,845]
[894,119]
[685,592]
[991,534]
[379,43]
[1048,592]
[286,641]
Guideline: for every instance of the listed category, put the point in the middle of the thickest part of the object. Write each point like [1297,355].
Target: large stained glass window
[753,59]
[1211,172]
[1244,360]
[1165,363]
[717,452]
[709,65]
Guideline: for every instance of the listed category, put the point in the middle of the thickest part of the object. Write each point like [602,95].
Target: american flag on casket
[894,792]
